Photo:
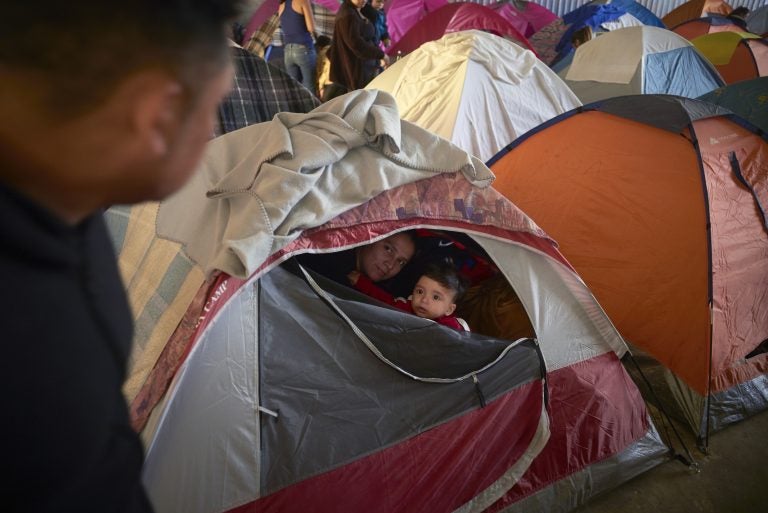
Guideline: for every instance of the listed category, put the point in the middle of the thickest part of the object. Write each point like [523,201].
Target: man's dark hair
[79,51]
[446,275]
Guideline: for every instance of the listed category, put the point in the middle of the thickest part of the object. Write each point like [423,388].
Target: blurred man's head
[109,102]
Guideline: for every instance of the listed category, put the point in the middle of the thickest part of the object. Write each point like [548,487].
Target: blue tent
[596,13]
[656,61]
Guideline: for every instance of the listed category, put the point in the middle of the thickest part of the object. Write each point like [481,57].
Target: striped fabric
[324,20]
[260,91]
[160,280]
[167,294]
[261,38]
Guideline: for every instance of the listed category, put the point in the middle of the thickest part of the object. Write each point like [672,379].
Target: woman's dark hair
[446,275]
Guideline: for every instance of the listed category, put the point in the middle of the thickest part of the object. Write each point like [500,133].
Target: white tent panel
[223,403]
[615,56]
[623,21]
[569,323]
[616,64]
[478,90]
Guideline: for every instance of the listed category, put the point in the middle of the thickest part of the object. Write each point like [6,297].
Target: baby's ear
[451,309]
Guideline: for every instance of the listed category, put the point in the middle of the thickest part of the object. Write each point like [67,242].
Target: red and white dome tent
[259,387]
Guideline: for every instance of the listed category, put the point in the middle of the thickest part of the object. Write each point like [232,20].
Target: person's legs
[291,54]
[304,61]
[308,69]
[369,72]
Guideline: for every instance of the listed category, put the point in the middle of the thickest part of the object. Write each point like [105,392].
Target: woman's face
[358,3]
[384,259]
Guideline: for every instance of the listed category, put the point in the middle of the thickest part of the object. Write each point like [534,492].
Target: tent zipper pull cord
[479,390]
[271,413]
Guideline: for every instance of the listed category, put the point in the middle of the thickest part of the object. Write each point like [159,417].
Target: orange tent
[736,55]
[658,202]
[695,9]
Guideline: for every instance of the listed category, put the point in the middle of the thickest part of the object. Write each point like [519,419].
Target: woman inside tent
[490,305]
[379,261]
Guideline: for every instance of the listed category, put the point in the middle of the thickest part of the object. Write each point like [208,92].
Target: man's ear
[157,110]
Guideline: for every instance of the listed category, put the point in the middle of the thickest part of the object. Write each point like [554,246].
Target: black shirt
[66,334]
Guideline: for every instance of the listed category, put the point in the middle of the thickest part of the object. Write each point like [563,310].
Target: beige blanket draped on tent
[259,187]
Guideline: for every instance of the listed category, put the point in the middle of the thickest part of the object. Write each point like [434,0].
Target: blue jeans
[301,64]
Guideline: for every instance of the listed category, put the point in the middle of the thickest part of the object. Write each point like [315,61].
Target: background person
[94,113]
[323,71]
[299,55]
[354,54]
[379,261]
[375,12]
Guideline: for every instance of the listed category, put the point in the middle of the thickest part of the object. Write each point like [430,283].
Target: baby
[434,296]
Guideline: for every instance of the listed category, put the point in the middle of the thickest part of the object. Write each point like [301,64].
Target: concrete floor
[733,477]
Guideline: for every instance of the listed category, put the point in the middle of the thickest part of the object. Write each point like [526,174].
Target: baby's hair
[445,274]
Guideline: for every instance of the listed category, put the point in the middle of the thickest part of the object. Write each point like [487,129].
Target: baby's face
[431,300]
[377,4]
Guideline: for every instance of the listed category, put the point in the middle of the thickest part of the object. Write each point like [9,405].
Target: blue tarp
[640,12]
[591,15]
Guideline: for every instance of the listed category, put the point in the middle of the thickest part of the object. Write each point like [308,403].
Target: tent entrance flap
[417,347]
[337,401]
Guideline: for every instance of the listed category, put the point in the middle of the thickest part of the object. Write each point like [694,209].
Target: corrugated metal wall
[659,7]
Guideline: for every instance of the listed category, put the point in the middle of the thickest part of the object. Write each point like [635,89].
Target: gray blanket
[258,188]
